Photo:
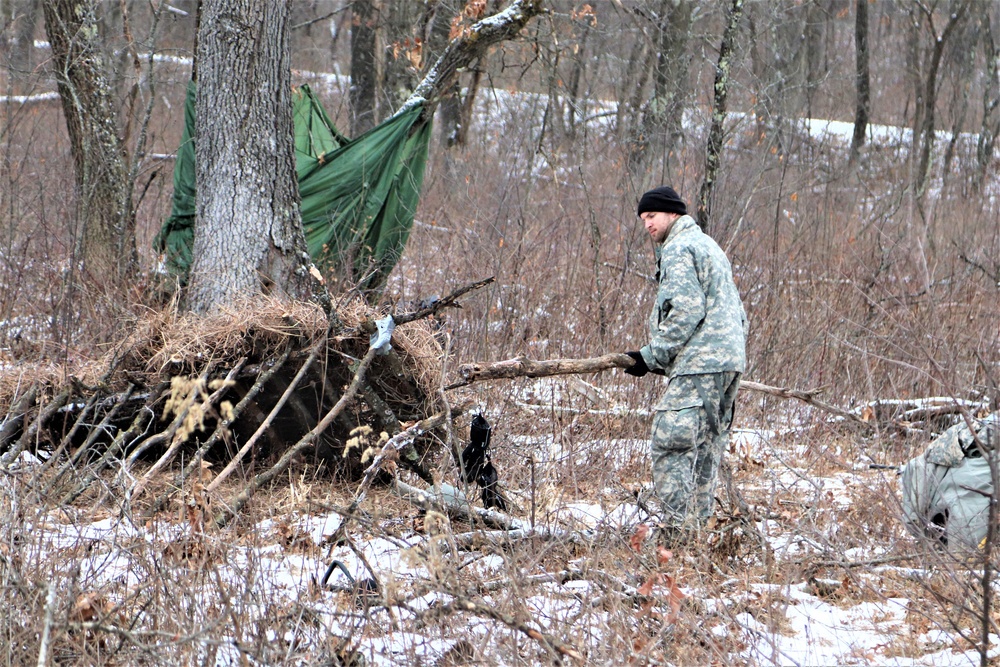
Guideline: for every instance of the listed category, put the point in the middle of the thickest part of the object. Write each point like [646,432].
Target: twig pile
[254,385]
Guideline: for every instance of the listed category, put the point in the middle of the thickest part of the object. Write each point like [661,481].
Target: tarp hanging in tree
[358,197]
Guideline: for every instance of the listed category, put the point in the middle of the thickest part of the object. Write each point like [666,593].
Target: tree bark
[105,219]
[660,126]
[716,134]
[928,100]
[862,80]
[524,367]
[400,74]
[248,230]
[438,32]
[364,65]
[990,127]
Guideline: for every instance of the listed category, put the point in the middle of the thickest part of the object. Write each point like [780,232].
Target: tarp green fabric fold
[358,197]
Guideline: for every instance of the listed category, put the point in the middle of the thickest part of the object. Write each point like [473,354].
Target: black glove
[639,368]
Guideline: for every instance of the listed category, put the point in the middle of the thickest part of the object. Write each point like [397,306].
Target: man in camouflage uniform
[697,339]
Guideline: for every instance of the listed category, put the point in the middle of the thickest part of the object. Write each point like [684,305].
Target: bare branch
[469,46]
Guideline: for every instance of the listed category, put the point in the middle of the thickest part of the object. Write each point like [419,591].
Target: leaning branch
[390,452]
[470,45]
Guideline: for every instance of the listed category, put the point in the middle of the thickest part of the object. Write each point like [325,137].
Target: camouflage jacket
[953,446]
[698,324]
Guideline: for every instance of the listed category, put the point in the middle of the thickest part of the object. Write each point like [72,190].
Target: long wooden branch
[451,501]
[808,397]
[369,326]
[525,367]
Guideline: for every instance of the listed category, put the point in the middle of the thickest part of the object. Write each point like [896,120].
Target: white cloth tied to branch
[380,339]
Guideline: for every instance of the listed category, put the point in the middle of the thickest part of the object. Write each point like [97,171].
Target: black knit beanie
[664,199]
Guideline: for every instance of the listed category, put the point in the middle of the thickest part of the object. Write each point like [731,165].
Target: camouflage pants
[688,440]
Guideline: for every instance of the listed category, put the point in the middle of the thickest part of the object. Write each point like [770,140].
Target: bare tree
[21,17]
[716,133]
[105,219]
[990,126]
[961,61]
[248,231]
[574,98]
[401,52]
[779,52]
[862,79]
[924,121]
[660,125]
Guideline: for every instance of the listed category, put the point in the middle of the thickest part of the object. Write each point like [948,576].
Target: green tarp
[358,197]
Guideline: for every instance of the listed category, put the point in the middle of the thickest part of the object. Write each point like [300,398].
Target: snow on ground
[289,556]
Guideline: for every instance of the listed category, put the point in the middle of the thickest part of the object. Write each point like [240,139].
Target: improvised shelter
[358,197]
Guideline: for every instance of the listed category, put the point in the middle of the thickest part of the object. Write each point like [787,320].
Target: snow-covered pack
[946,489]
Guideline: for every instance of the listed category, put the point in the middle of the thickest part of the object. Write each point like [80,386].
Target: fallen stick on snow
[525,367]
[452,501]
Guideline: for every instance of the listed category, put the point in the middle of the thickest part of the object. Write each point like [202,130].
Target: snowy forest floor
[806,563]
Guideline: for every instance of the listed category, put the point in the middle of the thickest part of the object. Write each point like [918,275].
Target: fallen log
[525,367]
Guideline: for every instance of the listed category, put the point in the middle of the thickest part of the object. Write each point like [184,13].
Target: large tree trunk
[364,65]
[248,231]
[401,53]
[104,199]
